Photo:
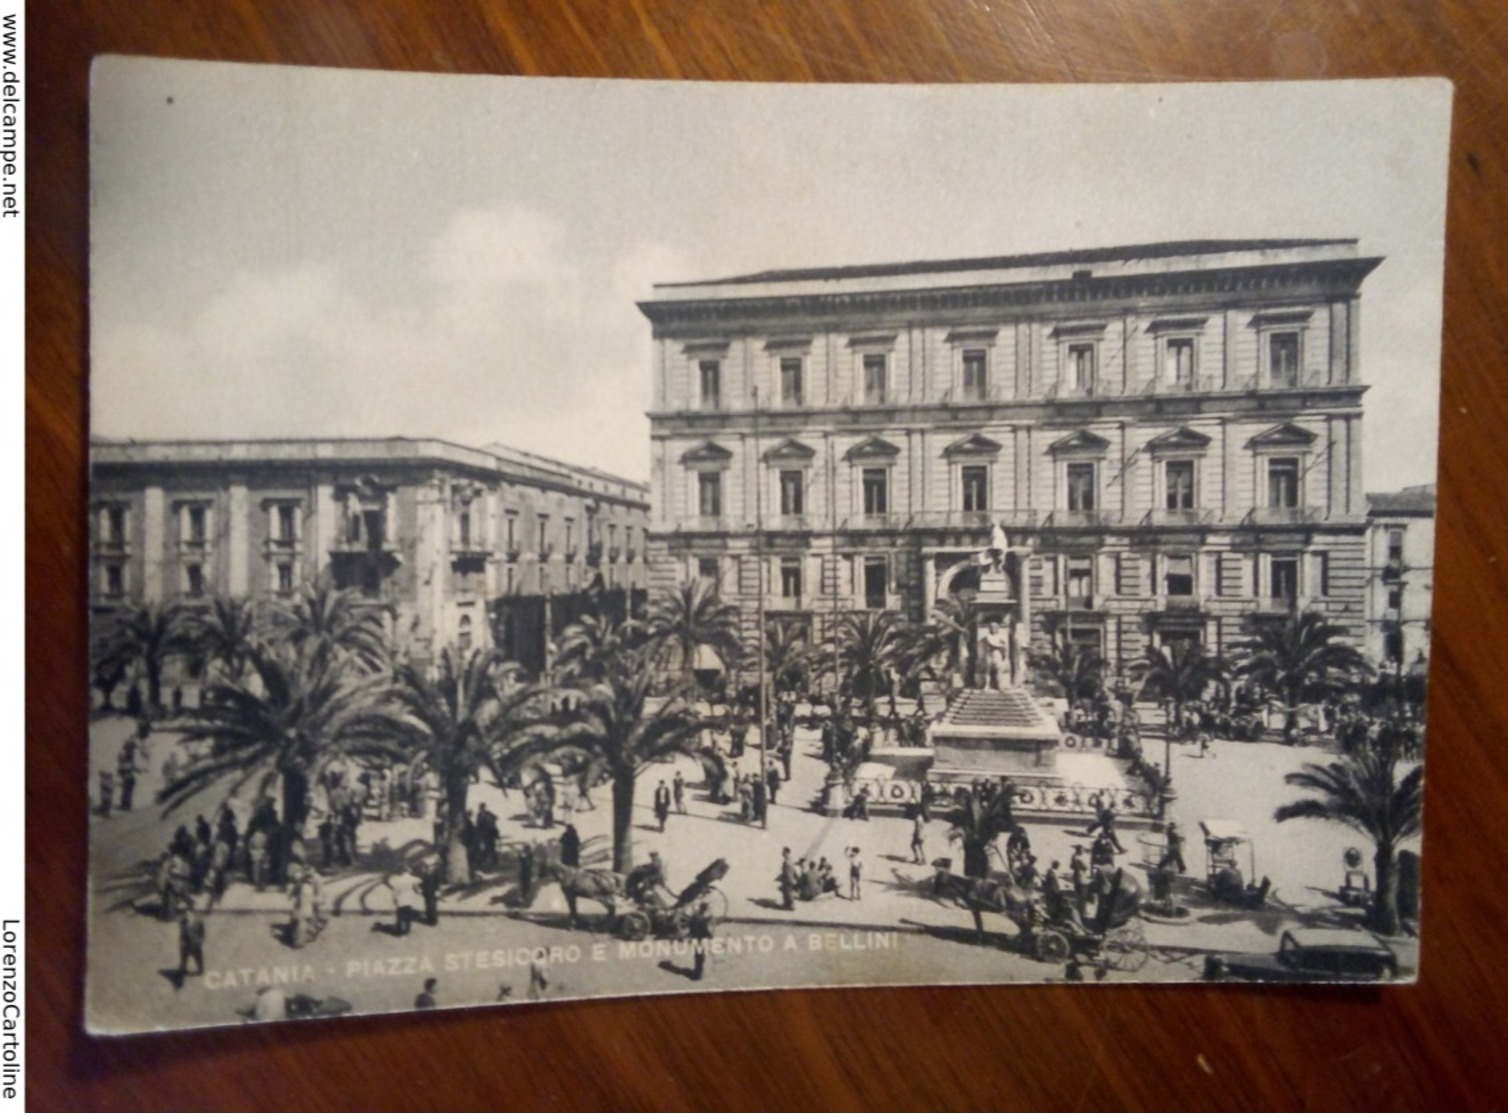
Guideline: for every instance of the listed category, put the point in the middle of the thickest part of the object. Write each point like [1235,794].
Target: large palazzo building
[464,546]
[1168,435]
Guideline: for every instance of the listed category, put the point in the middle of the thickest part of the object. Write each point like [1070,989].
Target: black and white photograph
[563,538]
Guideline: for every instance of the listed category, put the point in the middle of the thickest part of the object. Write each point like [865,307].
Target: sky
[297,252]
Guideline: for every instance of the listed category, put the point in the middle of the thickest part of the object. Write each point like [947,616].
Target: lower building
[463,546]
[1400,586]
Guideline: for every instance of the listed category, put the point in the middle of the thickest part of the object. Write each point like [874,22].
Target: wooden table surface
[1436,1045]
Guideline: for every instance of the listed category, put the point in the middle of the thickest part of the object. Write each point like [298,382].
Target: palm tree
[589,645]
[335,619]
[616,719]
[148,636]
[1181,673]
[1077,669]
[107,664]
[224,634]
[304,706]
[459,721]
[1363,791]
[982,814]
[788,655]
[951,633]
[868,645]
[691,617]
[1306,656]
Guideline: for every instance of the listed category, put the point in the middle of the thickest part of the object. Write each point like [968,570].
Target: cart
[665,915]
[1223,842]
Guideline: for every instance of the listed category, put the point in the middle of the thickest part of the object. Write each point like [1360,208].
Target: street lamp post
[764,697]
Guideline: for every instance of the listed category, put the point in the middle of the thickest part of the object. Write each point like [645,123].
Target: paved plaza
[487,933]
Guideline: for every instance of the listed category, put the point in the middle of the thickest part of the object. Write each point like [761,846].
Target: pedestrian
[773,778]
[539,980]
[761,799]
[1172,856]
[525,874]
[1053,899]
[305,923]
[678,790]
[486,837]
[106,792]
[787,879]
[429,888]
[855,872]
[127,776]
[426,999]
[405,901]
[190,942]
[1102,852]
[570,847]
[256,847]
[219,870]
[918,838]
[700,929]
[1078,872]
[662,804]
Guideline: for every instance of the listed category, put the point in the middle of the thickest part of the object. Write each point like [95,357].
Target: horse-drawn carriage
[659,913]
[1105,930]
[653,909]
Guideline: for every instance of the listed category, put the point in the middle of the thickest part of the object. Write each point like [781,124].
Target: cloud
[507,328]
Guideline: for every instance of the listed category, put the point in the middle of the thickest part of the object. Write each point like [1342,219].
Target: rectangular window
[1283,359]
[1082,367]
[628,540]
[1283,483]
[115,526]
[706,569]
[876,581]
[544,534]
[976,488]
[790,579]
[711,373]
[1227,576]
[115,580]
[1178,575]
[876,492]
[1180,485]
[570,536]
[1395,545]
[975,374]
[194,525]
[1080,580]
[1178,362]
[792,492]
[285,577]
[1392,644]
[286,524]
[1322,566]
[1081,487]
[510,532]
[1125,575]
[463,529]
[1395,598]
[874,377]
[790,381]
[709,494]
[194,579]
[1285,579]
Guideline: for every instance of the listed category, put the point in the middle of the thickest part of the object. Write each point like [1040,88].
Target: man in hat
[1172,857]
[662,804]
[701,933]
[1078,869]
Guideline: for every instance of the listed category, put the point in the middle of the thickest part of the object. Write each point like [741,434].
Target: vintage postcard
[557,539]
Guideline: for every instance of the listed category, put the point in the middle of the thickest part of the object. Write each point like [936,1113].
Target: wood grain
[1437,1045]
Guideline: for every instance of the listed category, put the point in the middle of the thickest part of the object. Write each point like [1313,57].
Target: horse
[602,886]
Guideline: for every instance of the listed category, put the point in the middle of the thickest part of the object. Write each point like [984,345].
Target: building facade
[1168,438]
[1400,559]
[463,546]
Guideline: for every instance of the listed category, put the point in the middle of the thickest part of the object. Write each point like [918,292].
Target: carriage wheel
[717,903]
[633,926]
[1050,946]
[1126,948]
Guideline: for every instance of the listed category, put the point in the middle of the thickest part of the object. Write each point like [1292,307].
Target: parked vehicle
[1316,954]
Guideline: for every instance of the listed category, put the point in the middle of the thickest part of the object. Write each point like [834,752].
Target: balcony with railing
[1081,517]
[1277,516]
[1179,517]
[1180,603]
